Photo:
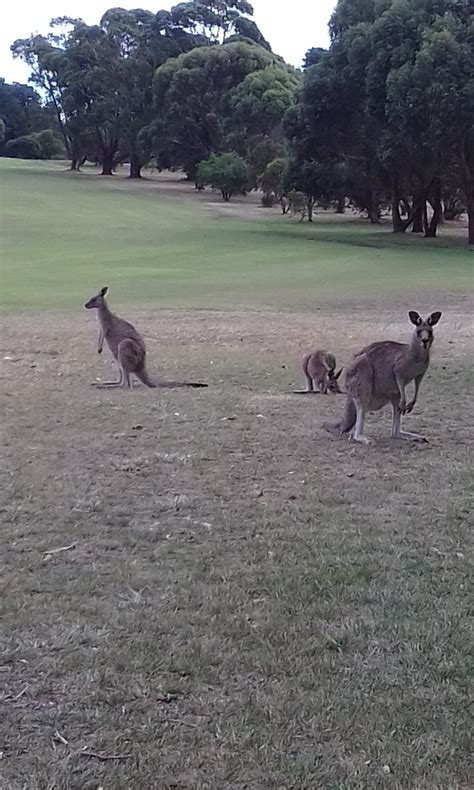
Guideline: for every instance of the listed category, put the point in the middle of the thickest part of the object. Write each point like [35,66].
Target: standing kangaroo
[379,375]
[127,347]
[319,372]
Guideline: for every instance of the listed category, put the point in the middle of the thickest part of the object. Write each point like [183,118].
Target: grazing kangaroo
[319,372]
[127,347]
[379,375]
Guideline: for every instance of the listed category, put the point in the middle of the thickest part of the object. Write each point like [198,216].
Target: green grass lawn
[65,234]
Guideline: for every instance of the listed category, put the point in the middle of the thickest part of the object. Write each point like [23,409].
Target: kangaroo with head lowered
[127,347]
[319,370]
[379,374]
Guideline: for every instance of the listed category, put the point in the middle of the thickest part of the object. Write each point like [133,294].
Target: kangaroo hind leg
[396,432]
[109,384]
[357,434]
[128,359]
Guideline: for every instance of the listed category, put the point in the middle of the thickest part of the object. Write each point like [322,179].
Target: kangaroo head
[424,328]
[98,300]
[332,381]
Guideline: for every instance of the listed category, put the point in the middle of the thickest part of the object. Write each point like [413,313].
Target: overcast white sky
[291,26]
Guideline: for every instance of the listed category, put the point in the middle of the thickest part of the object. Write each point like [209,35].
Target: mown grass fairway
[203,590]
[160,241]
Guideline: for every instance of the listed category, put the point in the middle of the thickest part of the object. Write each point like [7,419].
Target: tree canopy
[226,172]
[387,113]
[203,97]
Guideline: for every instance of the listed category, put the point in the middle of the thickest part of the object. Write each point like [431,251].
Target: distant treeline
[382,120]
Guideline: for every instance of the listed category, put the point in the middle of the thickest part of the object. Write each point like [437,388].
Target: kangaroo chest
[415,368]
[108,334]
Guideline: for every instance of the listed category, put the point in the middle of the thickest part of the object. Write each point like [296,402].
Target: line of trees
[386,115]
[383,119]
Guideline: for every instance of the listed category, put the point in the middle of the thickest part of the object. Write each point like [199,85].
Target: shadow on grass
[357,234]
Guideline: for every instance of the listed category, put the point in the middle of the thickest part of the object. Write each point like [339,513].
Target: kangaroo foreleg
[402,404]
[409,406]
[100,342]
[321,386]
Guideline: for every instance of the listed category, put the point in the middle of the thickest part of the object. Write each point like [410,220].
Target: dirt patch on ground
[242,601]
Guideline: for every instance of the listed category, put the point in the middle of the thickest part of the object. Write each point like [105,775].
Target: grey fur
[319,370]
[380,373]
[127,346]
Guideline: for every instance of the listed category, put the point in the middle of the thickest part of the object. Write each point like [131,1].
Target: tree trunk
[467,186]
[435,200]
[107,165]
[108,151]
[400,225]
[397,222]
[373,208]
[309,206]
[74,164]
[135,166]
[470,217]
[405,206]
[341,204]
[419,203]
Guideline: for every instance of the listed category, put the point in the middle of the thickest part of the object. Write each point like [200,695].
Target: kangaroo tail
[175,384]
[145,378]
[305,363]
[348,420]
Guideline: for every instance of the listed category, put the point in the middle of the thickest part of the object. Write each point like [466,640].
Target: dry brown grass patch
[245,602]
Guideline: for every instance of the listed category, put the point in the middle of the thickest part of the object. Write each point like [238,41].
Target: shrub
[227,172]
[25,147]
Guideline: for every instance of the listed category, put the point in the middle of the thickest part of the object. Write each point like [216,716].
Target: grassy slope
[67,234]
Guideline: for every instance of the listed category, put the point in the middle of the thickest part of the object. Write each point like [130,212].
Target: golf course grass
[66,234]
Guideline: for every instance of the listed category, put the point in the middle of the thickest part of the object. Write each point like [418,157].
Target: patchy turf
[242,601]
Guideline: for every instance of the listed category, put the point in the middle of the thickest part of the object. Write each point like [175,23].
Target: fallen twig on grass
[180,721]
[52,552]
[104,757]
[17,697]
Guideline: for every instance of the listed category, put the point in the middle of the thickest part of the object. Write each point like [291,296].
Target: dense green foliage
[25,123]
[25,147]
[99,79]
[226,172]
[217,99]
[386,116]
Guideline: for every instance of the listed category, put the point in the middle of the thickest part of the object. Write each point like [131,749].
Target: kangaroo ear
[338,374]
[434,318]
[415,317]
[103,290]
